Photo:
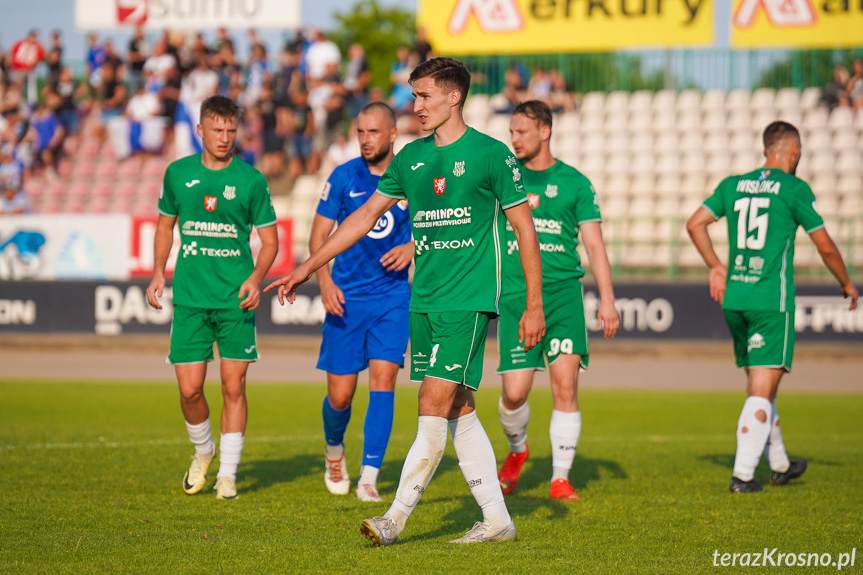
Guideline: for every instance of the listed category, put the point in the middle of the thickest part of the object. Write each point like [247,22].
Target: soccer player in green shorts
[459,184]
[764,208]
[563,203]
[217,198]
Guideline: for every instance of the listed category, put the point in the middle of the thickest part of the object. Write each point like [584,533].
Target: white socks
[564,430]
[514,423]
[420,464]
[199,434]
[477,463]
[368,475]
[335,452]
[230,450]
[775,449]
[752,436]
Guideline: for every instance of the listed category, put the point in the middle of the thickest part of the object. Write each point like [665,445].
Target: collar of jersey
[454,144]
[201,161]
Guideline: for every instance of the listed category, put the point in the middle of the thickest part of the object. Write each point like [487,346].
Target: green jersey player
[216,198]
[763,209]
[459,185]
[564,205]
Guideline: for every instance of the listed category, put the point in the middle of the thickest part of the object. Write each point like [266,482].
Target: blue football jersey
[358,271]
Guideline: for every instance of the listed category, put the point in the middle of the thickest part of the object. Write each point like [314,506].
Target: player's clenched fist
[154,291]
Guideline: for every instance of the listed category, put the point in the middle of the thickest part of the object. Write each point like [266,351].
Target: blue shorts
[375,328]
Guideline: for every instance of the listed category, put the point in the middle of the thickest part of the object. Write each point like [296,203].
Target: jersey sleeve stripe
[712,213]
[164,213]
[508,206]
[588,221]
[272,223]
[816,228]
[389,196]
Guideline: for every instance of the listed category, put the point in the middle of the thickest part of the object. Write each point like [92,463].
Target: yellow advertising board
[797,23]
[460,27]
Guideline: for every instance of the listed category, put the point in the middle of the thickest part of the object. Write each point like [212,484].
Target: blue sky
[18,16]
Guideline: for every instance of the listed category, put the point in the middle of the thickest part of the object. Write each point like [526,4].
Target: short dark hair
[535,110]
[220,107]
[778,131]
[448,73]
[383,108]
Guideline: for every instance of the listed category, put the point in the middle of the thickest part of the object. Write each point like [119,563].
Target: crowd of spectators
[549,86]
[299,104]
[846,90]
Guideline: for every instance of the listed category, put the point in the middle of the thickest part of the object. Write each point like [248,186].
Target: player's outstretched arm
[161,250]
[352,230]
[250,290]
[331,295]
[531,328]
[833,260]
[609,320]
[697,229]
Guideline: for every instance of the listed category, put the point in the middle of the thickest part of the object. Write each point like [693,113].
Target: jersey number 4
[751,230]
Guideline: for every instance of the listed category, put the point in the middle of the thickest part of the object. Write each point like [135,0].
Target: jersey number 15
[751,234]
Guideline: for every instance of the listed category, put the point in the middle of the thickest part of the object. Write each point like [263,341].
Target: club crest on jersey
[458,169]
[210,203]
[230,192]
[439,185]
[764,175]
[533,201]
[551,191]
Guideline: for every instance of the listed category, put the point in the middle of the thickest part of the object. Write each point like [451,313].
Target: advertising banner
[64,247]
[144,232]
[187,14]
[796,23]
[649,311]
[461,27]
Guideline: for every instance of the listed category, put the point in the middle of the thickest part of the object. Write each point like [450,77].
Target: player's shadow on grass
[537,472]
[762,472]
[265,473]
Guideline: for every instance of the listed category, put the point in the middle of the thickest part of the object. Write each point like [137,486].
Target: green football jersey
[763,209]
[215,212]
[456,196]
[561,199]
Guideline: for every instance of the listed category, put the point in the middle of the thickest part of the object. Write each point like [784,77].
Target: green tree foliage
[806,68]
[380,31]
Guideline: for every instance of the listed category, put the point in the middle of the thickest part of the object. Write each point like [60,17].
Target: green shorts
[762,338]
[194,330]
[565,328]
[449,345]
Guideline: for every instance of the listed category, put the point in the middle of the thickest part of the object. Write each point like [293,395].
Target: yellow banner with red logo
[460,27]
[797,23]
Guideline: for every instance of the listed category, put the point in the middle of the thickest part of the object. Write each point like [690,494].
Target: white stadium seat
[809,98]
[737,100]
[592,102]
[844,139]
[849,162]
[641,142]
[693,161]
[762,98]
[713,100]
[640,101]
[840,118]
[787,98]
[818,140]
[616,101]
[663,101]
[815,119]
[688,100]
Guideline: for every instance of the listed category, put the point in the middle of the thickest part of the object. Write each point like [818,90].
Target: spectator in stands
[11,97]
[13,200]
[113,91]
[274,127]
[540,86]
[322,57]
[303,120]
[343,149]
[146,134]
[561,98]
[49,138]
[422,47]
[855,86]
[326,99]
[136,56]
[158,67]
[513,89]
[95,59]
[401,99]
[63,96]
[259,72]
[225,62]
[4,70]
[356,81]
[223,39]
[24,57]
[290,75]
[54,58]
[836,92]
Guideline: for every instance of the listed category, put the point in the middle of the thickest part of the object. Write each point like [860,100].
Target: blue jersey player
[367,297]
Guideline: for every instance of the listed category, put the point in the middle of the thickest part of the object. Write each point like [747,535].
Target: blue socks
[335,422]
[377,427]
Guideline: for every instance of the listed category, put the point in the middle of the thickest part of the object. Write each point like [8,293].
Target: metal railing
[702,69]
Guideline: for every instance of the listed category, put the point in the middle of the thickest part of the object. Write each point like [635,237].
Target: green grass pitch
[91,483]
